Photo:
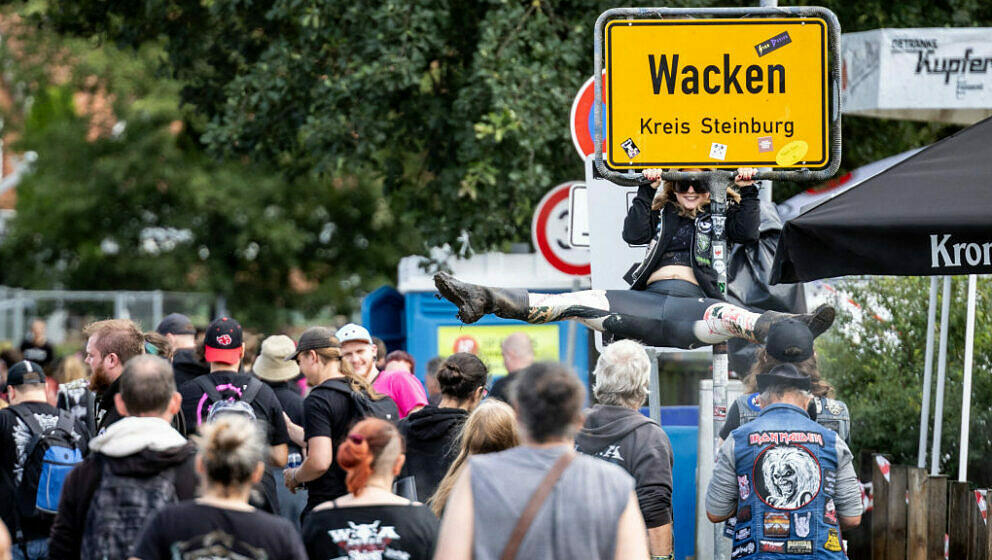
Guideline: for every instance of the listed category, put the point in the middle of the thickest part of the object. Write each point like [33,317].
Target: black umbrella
[930,214]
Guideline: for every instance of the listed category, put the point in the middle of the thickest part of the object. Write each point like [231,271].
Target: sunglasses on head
[682,187]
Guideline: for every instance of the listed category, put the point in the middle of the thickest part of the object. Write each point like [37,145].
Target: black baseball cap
[789,340]
[175,323]
[784,374]
[223,341]
[25,372]
[314,338]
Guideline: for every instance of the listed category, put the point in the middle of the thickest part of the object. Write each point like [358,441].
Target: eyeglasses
[682,187]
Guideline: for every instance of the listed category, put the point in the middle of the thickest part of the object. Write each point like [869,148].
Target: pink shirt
[405,389]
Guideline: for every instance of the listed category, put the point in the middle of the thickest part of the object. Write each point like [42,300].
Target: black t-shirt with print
[42,355]
[327,413]
[14,436]
[192,531]
[373,532]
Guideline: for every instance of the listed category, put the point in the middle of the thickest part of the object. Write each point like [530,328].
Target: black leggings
[663,314]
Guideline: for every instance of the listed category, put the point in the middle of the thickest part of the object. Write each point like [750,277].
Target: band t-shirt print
[382,532]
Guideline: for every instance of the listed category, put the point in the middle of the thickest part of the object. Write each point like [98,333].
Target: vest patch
[800,521]
[743,550]
[829,481]
[799,547]
[728,527]
[786,477]
[833,541]
[773,546]
[834,407]
[829,512]
[744,514]
[776,524]
[744,486]
[752,402]
[784,438]
[743,533]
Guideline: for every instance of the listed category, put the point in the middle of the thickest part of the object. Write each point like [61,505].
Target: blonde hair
[491,427]
[231,448]
[666,194]
[357,382]
[70,369]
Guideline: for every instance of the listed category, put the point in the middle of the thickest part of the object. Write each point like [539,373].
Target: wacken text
[713,125]
[974,254]
[728,79]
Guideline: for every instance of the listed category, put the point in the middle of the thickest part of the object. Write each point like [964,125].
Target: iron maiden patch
[744,486]
[833,541]
[786,477]
[773,546]
[776,524]
[744,514]
[800,522]
[743,550]
[799,547]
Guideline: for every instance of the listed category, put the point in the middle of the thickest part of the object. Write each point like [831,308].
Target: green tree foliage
[120,198]
[876,364]
[461,107]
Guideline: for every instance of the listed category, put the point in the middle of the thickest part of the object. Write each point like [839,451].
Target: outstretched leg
[653,318]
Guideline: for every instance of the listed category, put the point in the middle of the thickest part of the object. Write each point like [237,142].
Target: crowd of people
[181,446]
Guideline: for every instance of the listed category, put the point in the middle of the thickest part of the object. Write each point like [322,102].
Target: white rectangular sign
[578,212]
[936,74]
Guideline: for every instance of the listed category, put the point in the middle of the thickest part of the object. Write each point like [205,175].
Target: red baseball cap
[223,341]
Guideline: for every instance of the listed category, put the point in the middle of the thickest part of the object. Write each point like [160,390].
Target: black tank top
[677,251]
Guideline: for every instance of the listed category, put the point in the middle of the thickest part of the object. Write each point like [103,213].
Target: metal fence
[66,311]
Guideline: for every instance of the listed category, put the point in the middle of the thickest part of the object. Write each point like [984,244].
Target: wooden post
[919,513]
[959,518]
[880,513]
[988,525]
[937,517]
[895,547]
[978,529]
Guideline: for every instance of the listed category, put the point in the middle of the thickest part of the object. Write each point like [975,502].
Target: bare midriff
[673,272]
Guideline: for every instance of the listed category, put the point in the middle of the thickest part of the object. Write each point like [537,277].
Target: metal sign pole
[938,410]
[921,457]
[718,183]
[969,354]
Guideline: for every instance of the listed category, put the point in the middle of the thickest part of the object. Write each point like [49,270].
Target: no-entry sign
[716,93]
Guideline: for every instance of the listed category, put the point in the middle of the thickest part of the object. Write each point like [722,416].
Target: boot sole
[821,319]
[445,284]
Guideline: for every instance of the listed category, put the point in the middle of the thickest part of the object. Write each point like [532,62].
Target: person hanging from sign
[674,300]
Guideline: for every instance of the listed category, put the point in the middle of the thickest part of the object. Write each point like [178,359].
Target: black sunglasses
[682,187]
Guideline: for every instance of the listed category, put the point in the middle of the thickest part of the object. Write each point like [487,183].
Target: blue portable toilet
[412,317]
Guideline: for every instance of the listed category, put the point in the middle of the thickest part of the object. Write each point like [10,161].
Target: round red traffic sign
[550,234]
[582,119]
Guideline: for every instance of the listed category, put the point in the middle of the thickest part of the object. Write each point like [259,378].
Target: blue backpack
[49,456]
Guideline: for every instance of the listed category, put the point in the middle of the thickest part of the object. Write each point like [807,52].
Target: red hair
[361,450]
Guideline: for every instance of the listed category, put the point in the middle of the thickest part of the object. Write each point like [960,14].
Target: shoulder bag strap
[254,386]
[534,505]
[90,399]
[209,388]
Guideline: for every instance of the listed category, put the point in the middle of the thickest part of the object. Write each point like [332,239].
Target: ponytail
[371,447]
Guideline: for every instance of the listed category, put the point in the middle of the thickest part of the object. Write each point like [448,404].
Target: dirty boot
[474,301]
[818,321]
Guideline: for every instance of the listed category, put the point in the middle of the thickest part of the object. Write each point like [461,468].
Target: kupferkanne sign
[717,93]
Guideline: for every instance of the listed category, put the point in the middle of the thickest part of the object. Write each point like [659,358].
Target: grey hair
[774,393]
[622,375]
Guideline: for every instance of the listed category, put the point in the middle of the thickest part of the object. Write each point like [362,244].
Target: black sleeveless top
[677,251]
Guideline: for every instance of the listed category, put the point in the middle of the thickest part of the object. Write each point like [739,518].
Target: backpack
[48,458]
[83,408]
[363,405]
[220,405]
[118,509]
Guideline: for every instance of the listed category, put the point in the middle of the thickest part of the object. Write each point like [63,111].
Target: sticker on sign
[687,93]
